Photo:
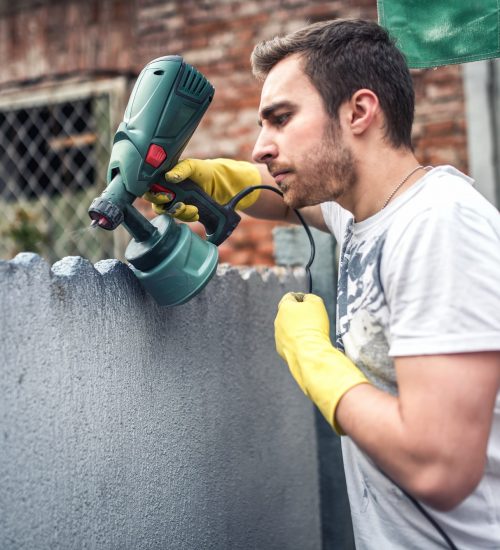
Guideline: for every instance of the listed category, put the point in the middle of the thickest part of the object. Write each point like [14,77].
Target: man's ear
[364,110]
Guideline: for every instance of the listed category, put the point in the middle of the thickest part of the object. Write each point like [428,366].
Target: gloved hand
[220,178]
[302,333]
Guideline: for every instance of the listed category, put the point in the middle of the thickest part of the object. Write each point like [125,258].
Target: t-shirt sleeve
[441,274]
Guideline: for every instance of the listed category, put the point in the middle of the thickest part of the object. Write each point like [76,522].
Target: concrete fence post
[292,248]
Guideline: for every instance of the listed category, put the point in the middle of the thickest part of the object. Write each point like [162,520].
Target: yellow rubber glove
[220,178]
[302,333]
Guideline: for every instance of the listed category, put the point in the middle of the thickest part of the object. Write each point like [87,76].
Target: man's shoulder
[444,196]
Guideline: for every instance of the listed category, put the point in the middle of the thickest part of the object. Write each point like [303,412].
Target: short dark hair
[343,56]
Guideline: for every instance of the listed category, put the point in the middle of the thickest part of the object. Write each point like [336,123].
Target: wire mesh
[53,162]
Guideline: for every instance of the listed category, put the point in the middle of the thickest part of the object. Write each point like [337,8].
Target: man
[414,382]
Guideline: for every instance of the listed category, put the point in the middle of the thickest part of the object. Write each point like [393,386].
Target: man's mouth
[279,176]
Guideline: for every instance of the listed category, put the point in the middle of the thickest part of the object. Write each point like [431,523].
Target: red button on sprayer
[156,155]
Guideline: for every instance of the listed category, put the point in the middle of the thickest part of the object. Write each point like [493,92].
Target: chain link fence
[53,162]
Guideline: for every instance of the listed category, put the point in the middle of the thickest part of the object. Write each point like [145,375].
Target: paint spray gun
[166,105]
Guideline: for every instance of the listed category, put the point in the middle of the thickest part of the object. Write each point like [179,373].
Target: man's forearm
[371,418]
[413,455]
[432,438]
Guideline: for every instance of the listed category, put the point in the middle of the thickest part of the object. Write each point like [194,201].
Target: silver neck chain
[401,183]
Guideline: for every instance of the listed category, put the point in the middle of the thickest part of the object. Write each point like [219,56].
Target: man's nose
[265,149]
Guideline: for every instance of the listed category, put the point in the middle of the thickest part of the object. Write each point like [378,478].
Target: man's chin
[290,200]
[294,202]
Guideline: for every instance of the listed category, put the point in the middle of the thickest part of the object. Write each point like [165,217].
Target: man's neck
[379,176]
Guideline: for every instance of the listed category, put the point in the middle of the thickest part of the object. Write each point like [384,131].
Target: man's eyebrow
[269,110]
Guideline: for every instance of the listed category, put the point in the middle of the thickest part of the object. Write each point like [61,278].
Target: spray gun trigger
[176,208]
[156,188]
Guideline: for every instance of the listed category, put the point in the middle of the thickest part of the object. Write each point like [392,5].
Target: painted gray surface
[293,249]
[125,425]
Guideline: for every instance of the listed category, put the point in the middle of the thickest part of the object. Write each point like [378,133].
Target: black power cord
[232,204]
[430,519]
[425,513]
[236,199]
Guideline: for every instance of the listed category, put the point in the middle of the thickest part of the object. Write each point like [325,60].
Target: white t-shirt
[420,277]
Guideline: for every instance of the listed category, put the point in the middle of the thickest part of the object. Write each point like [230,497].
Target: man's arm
[432,438]
[223,179]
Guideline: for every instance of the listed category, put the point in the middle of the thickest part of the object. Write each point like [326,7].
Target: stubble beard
[331,173]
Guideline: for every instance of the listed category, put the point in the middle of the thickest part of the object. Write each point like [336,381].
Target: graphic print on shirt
[362,313]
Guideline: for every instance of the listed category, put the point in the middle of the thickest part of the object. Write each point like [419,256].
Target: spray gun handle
[219,220]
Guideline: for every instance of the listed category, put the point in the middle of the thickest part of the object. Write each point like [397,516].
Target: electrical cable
[424,512]
[429,518]
[232,204]
[236,199]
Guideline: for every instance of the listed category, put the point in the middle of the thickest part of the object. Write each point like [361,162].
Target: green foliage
[23,232]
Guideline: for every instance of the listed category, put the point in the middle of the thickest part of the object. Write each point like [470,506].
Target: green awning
[442,32]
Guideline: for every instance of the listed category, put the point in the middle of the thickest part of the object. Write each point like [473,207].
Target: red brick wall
[439,132]
[217,36]
[43,40]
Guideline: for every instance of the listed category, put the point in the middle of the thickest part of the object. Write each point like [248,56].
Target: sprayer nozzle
[105,213]
[94,223]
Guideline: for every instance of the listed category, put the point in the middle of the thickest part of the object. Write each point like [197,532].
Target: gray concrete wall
[125,425]
[482,94]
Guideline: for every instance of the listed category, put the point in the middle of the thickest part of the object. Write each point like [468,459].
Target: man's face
[301,145]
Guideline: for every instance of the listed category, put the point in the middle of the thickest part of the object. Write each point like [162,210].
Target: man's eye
[279,120]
